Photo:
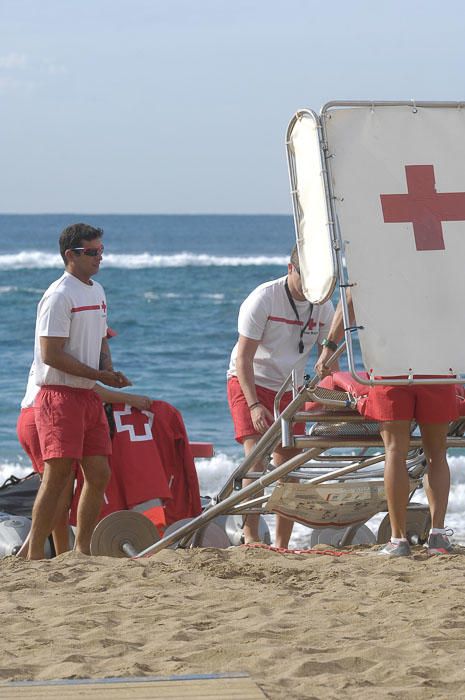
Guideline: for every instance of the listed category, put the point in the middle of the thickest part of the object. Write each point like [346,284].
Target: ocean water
[174,285]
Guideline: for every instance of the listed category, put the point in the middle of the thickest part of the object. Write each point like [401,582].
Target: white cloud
[5,83]
[55,68]
[11,85]
[13,60]
[20,72]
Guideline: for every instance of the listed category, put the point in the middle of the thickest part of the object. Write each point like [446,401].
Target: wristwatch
[329,344]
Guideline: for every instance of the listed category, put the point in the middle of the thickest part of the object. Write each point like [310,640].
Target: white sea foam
[214,472]
[14,289]
[215,297]
[153,296]
[18,469]
[32,260]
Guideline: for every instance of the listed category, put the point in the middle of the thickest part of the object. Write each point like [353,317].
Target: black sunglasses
[91,252]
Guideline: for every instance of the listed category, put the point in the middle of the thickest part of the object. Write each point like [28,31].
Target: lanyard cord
[294,308]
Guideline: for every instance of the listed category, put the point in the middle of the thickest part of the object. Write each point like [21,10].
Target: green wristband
[329,344]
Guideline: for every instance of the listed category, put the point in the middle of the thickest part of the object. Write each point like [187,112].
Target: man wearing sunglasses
[71,329]
[278,328]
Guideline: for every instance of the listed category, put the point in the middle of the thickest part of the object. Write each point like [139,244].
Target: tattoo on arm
[105,361]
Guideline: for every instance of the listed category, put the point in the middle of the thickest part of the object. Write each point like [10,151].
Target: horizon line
[84,213]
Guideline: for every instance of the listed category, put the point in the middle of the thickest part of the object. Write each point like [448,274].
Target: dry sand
[304,626]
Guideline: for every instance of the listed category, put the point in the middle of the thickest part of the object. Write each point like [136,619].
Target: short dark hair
[294,259]
[72,237]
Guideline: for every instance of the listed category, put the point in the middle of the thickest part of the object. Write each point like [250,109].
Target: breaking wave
[36,260]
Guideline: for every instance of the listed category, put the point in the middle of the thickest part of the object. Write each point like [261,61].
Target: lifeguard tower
[378,191]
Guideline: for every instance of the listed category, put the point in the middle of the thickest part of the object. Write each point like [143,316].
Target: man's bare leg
[96,477]
[284,525]
[396,439]
[437,480]
[251,522]
[54,481]
[60,532]
[23,552]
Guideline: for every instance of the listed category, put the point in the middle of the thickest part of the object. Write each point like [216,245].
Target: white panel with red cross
[398,181]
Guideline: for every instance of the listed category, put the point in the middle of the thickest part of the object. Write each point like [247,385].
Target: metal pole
[237,497]
[268,442]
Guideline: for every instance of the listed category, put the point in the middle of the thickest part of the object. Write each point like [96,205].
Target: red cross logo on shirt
[104,307]
[311,324]
[142,418]
[425,208]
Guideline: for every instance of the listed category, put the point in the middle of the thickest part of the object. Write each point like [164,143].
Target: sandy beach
[303,626]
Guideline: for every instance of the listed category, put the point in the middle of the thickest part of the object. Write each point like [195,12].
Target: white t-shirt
[76,311]
[268,316]
[31,390]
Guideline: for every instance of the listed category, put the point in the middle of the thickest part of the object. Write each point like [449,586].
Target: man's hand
[261,418]
[114,379]
[321,367]
[143,403]
[124,380]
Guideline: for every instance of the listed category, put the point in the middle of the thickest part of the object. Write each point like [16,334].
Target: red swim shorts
[29,438]
[243,425]
[427,403]
[71,423]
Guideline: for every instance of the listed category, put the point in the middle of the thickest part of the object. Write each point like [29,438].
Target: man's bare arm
[105,356]
[335,333]
[246,349]
[54,355]
[143,403]
[106,362]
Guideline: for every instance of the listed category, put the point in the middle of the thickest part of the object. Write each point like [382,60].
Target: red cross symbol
[311,324]
[425,208]
[142,421]
[104,307]
[130,421]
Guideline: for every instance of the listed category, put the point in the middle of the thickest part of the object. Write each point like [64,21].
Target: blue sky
[181,106]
